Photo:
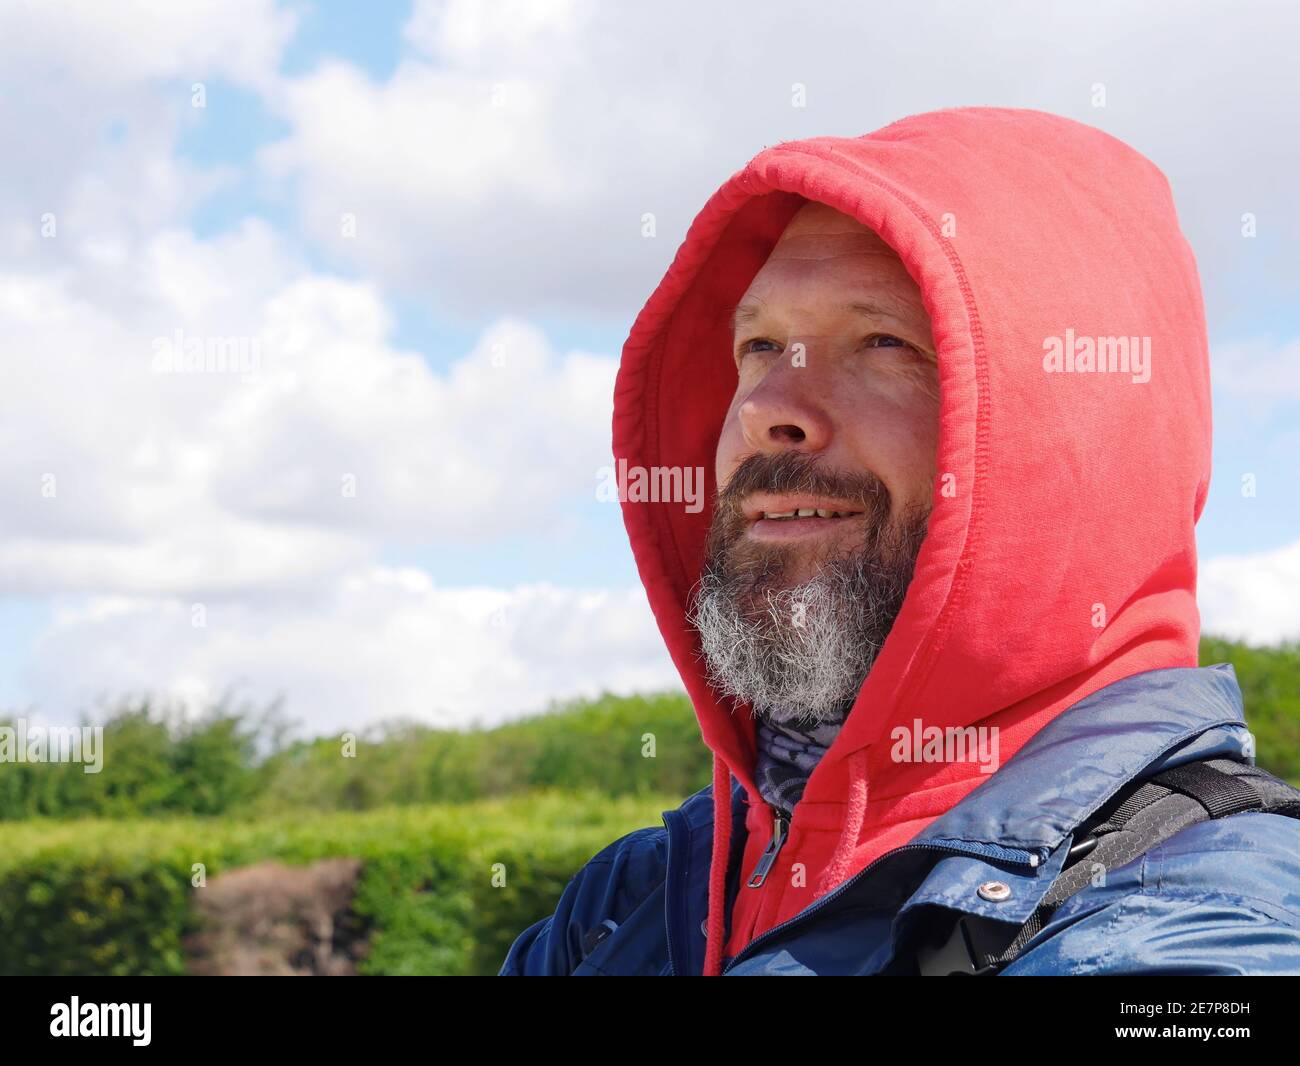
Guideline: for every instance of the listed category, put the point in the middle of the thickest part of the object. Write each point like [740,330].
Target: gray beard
[799,653]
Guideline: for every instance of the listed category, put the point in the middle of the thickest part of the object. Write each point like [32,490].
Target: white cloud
[510,157]
[503,443]
[378,643]
[123,479]
[134,41]
[1263,372]
[93,97]
[501,172]
[1252,597]
[469,32]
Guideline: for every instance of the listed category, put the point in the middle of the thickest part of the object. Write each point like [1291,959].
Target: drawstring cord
[855,814]
[835,872]
[718,866]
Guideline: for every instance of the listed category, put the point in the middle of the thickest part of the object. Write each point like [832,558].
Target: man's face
[825,469]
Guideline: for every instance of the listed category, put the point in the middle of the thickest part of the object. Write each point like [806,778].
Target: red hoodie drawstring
[854,815]
[718,866]
[836,870]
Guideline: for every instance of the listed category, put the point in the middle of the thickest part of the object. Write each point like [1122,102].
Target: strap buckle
[968,951]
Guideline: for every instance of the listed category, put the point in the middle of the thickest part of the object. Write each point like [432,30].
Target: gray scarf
[786,757]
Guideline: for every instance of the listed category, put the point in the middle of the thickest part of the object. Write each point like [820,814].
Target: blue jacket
[1219,897]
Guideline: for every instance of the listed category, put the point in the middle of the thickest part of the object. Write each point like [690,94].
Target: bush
[428,812]
[158,761]
[234,762]
[1270,689]
[115,897]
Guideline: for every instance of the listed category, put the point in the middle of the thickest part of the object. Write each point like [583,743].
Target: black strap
[1125,828]
[1219,793]
[1134,805]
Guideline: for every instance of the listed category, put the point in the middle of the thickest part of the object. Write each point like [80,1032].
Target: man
[951,381]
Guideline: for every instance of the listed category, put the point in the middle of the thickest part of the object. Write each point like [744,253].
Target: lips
[807,512]
[788,516]
[794,506]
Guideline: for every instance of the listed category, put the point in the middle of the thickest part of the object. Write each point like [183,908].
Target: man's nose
[783,413]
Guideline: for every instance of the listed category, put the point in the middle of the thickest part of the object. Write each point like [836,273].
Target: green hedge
[232,761]
[114,897]
[1270,690]
[111,894]
[594,745]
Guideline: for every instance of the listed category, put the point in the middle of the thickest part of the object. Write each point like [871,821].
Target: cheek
[731,445]
[894,433]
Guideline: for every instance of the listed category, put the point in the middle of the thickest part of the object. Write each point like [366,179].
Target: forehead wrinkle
[882,306]
[783,252]
[871,273]
[747,310]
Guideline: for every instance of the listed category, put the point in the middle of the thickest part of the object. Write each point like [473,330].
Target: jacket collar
[1016,827]
[1030,809]
[1127,731]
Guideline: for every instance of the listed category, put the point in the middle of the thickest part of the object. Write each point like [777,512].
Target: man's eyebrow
[743,314]
[747,312]
[875,310]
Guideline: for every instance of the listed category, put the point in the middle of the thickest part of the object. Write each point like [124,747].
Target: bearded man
[928,541]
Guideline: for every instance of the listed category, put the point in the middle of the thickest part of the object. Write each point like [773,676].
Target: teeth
[807,512]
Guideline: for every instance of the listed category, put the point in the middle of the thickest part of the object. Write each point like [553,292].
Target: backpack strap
[1126,827]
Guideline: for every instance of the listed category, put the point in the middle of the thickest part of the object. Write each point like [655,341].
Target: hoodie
[1073,459]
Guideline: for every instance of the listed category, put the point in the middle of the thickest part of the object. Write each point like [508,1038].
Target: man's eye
[750,345]
[886,340]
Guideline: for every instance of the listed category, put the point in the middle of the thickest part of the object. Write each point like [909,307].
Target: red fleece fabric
[1061,554]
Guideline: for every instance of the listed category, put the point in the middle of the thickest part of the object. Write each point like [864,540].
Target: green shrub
[429,812]
[114,897]
[1270,689]
[159,761]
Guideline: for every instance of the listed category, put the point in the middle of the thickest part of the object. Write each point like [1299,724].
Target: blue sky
[513,226]
[369,37]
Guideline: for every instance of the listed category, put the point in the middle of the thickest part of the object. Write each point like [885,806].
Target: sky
[420,226]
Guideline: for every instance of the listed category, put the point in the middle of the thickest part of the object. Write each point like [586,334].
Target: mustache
[798,472]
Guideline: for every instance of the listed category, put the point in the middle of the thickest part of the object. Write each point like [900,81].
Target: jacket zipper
[780,823]
[807,912]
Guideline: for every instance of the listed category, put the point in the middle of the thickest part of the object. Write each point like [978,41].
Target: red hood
[1057,491]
